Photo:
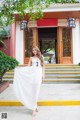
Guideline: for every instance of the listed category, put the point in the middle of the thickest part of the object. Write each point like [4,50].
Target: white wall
[19,44]
[76,42]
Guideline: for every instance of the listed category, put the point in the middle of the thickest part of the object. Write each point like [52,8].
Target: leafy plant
[6,63]
[4,33]
[34,8]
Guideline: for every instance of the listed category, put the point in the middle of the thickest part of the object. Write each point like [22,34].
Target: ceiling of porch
[59,15]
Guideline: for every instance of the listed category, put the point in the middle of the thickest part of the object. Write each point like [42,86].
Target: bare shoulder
[30,57]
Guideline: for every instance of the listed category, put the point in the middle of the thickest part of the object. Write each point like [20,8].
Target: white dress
[27,82]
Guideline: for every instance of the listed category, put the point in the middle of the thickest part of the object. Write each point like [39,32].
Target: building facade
[52,34]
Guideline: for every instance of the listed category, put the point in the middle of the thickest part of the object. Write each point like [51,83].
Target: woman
[27,80]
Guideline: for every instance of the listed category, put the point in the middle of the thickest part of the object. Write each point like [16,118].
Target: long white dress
[27,82]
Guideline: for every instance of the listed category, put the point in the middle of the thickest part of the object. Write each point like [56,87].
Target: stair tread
[62,72]
[54,72]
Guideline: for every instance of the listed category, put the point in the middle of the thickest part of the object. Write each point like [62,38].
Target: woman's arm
[43,69]
[43,72]
[30,61]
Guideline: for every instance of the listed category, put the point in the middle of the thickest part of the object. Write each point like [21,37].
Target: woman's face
[34,51]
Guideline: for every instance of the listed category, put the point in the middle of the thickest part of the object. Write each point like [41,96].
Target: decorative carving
[29,43]
[66,42]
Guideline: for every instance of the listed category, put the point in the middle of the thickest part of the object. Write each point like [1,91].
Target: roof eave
[62,9]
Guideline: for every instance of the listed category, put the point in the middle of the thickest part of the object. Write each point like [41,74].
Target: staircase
[55,73]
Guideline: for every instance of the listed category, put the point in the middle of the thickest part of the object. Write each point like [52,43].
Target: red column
[13,40]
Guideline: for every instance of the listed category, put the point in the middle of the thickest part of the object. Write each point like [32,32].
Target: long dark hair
[39,55]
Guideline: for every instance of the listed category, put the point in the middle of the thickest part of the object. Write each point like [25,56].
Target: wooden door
[30,40]
[65,45]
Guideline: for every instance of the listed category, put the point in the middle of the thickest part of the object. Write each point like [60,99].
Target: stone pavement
[49,92]
[45,113]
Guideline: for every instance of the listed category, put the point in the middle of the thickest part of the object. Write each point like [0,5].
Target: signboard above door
[53,22]
[42,23]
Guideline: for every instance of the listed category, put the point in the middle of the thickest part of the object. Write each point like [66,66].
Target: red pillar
[13,40]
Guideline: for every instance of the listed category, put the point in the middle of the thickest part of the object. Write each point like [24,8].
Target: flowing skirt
[26,85]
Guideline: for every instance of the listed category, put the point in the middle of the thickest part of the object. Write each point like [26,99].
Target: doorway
[47,42]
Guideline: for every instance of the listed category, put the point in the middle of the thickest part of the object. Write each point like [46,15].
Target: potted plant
[6,63]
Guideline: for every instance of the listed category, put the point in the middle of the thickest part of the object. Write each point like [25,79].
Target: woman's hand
[43,76]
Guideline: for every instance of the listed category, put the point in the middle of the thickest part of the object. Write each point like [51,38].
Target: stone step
[61,65]
[54,65]
[52,80]
[71,69]
[61,74]
[63,70]
[58,68]
[50,75]
[54,72]
[62,77]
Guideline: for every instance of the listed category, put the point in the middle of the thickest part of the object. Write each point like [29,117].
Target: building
[52,34]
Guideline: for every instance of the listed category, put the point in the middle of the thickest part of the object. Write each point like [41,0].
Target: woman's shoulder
[32,57]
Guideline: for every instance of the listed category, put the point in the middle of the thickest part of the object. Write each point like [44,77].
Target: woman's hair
[39,55]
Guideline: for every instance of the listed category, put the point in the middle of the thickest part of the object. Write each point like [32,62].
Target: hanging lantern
[23,24]
[71,22]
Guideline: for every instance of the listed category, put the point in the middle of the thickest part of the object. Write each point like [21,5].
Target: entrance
[47,42]
[55,44]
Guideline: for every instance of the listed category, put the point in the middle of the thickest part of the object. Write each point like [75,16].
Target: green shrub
[6,63]
[4,33]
